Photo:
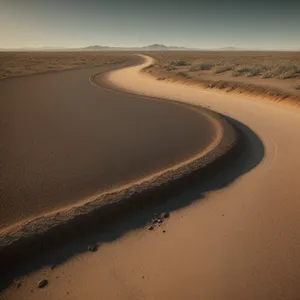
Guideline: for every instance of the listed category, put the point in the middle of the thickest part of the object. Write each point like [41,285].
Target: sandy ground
[16,64]
[233,237]
[65,140]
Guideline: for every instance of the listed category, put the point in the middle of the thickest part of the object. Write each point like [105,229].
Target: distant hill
[162,47]
[96,48]
[154,47]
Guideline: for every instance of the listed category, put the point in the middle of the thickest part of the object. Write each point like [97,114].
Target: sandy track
[241,241]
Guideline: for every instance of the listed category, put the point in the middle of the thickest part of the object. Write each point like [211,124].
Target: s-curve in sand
[237,238]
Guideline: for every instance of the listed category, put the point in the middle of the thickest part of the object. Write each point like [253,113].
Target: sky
[205,24]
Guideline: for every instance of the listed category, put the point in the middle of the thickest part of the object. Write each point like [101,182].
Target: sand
[236,238]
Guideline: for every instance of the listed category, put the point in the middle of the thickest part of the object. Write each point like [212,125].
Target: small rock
[93,248]
[41,284]
[160,221]
[222,215]
[164,231]
[150,228]
[19,284]
[154,221]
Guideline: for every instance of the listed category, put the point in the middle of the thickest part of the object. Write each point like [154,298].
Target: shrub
[221,85]
[179,63]
[202,66]
[235,73]
[248,71]
[222,69]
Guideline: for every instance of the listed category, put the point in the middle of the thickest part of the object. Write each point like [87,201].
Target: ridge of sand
[25,239]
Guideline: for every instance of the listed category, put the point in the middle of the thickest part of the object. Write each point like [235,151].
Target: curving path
[242,241]
[64,139]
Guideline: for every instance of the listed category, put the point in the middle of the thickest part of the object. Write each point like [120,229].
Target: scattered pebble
[150,228]
[41,284]
[160,221]
[164,231]
[93,248]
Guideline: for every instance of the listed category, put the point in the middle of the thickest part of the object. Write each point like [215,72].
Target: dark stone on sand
[41,284]
[165,215]
[160,221]
[154,221]
[150,228]
[164,231]
[93,248]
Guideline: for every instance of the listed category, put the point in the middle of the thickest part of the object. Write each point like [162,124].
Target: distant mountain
[162,47]
[154,47]
[96,48]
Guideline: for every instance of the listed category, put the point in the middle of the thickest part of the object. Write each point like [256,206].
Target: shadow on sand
[248,155]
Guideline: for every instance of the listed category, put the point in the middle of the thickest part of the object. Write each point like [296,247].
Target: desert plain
[229,233]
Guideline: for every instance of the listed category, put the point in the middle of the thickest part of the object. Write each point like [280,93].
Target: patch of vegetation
[169,68]
[235,73]
[202,66]
[221,85]
[248,71]
[179,63]
[222,69]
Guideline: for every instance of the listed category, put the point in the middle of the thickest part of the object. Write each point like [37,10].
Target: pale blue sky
[190,23]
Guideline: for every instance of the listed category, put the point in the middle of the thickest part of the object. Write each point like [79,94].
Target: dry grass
[281,65]
[14,64]
[272,73]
